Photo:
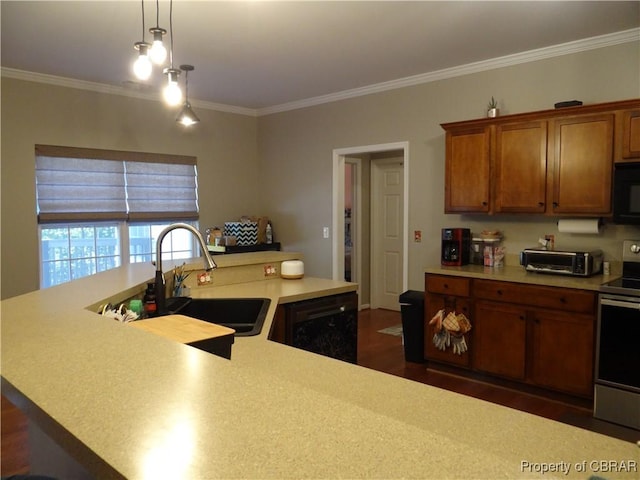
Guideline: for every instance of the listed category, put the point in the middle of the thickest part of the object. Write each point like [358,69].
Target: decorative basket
[246,233]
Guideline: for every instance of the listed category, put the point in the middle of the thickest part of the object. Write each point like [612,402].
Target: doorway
[370,221]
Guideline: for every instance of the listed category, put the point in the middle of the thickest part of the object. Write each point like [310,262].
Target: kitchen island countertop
[129,404]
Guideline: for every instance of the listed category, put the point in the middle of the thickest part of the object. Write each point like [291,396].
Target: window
[73,251]
[142,243]
[99,209]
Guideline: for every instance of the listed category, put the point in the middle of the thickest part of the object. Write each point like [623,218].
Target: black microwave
[626,194]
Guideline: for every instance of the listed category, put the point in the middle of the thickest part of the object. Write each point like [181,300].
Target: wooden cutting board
[181,328]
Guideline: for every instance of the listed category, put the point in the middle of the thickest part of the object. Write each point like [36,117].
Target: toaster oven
[562,262]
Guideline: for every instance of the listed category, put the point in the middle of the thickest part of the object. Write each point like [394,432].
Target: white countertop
[130,404]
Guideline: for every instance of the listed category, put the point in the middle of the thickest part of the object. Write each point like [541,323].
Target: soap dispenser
[269,233]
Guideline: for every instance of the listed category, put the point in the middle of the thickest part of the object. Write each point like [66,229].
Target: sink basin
[245,315]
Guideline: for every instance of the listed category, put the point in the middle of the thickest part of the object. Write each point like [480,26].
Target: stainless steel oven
[617,382]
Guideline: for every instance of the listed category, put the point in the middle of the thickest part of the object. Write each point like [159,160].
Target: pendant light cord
[143,29]
[171,32]
[157,13]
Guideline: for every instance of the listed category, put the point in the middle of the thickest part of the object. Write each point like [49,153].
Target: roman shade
[76,184]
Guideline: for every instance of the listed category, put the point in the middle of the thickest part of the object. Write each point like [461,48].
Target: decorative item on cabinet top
[492,109]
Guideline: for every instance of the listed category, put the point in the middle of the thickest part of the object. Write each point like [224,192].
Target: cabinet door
[521,167]
[631,134]
[278,326]
[467,170]
[582,150]
[562,353]
[434,303]
[499,339]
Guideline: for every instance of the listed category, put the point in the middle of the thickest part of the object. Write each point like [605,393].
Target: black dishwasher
[326,325]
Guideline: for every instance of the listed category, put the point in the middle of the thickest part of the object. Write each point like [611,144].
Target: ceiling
[261,54]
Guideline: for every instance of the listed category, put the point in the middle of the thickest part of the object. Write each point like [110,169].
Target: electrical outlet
[270,271]
[325,232]
[204,278]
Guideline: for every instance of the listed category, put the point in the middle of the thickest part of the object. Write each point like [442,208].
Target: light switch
[417,236]
[325,232]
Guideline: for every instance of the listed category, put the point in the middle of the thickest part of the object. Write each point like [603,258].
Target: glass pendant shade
[187,116]
[158,52]
[172,93]
[142,66]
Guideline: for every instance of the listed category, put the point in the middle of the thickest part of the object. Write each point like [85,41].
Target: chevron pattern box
[246,233]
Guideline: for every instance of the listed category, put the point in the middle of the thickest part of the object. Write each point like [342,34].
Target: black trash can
[412,308]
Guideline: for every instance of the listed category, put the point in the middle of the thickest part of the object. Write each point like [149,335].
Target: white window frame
[124,243]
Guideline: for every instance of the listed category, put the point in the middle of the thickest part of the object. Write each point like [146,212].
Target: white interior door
[387,240]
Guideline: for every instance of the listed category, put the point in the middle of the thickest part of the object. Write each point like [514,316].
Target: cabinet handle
[484,204]
[555,204]
[446,286]
[499,292]
[541,204]
[563,300]
[521,317]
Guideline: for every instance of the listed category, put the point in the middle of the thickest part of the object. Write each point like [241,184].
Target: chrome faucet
[209,264]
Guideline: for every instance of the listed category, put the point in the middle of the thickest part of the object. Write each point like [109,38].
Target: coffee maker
[456,246]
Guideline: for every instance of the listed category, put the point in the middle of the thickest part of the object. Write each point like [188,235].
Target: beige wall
[280,165]
[300,144]
[225,145]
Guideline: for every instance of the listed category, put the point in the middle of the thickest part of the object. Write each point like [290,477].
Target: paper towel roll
[579,225]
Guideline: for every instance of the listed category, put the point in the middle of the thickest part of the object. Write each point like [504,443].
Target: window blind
[161,190]
[74,184]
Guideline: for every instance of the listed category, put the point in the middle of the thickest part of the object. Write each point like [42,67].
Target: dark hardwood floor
[380,352]
[14,450]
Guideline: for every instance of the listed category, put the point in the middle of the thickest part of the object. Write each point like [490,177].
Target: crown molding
[115,90]
[626,36]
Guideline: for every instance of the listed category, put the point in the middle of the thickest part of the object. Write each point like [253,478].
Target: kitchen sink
[245,315]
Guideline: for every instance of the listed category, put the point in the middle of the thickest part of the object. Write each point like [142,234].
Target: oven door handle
[327,313]
[621,304]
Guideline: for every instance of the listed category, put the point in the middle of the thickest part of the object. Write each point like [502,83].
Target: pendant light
[158,52]
[142,66]
[187,116]
[171,93]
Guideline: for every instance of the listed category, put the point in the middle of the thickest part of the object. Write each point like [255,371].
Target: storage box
[246,233]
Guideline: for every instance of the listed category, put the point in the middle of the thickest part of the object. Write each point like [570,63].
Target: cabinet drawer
[446,285]
[564,299]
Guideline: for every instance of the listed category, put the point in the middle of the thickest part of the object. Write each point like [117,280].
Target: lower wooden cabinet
[537,335]
[499,339]
[562,351]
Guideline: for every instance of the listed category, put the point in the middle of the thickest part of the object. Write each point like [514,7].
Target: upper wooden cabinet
[630,132]
[582,152]
[521,167]
[467,173]
[553,162]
